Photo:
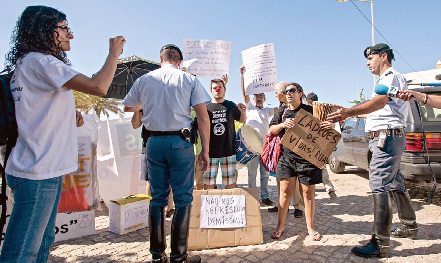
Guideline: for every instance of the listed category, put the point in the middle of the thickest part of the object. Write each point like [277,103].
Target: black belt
[164,133]
[397,131]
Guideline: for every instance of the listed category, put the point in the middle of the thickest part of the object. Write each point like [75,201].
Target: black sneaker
[273,209]
[267,201]
[298,213]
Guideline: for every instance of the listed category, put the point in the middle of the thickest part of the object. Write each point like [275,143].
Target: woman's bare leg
[286,192]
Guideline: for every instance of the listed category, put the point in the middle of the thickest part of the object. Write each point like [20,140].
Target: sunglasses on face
[291,90]
[67,29]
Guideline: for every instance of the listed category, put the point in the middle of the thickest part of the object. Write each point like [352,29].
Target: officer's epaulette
[388,73]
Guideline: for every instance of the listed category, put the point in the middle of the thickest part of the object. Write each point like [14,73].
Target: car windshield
[430,114]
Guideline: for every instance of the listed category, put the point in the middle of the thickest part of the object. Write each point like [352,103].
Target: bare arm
[79,118]
[275,129]
[243,112]
[367,107]
[136,119]
[132,109]
[275,110]
[204,133]
[432,100]
[246,98]
[100,83]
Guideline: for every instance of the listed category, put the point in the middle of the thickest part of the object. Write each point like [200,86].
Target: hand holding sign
[310,140]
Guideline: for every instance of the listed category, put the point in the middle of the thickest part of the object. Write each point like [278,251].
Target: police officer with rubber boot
[385,123]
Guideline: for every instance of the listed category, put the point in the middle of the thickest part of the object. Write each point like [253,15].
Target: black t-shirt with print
[222,133]
[281,116]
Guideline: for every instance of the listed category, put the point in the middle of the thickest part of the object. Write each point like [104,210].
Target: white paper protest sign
[260,69]
[223,211]
[210,58]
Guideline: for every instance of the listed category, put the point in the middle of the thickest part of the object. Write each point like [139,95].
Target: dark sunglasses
[68,30]
[291,90]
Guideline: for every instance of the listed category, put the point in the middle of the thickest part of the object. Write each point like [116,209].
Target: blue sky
[318,43]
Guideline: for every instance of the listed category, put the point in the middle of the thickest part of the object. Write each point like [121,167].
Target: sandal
[277,234]
[316,236]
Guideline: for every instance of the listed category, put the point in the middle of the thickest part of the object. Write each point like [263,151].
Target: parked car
[423,142]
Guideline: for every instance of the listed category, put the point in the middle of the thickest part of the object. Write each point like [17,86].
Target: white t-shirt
[259,119]
[45,111]
[394,114]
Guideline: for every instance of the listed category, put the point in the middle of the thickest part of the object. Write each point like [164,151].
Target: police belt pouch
[186,134]
[382,139]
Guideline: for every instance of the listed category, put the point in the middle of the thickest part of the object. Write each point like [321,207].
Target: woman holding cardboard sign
[292,166]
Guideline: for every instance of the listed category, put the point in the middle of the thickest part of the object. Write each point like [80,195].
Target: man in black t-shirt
[222,149]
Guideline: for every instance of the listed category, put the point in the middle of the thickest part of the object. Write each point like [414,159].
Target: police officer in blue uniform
[166,96]
[385,123]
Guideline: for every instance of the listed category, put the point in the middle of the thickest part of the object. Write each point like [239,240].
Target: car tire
[335,165]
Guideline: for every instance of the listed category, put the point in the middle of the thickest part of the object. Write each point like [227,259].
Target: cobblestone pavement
[344,223]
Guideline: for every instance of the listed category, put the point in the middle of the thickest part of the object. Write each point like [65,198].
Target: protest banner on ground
[223,211]
[260,69]
[309,141]
[210,58]
[227,236]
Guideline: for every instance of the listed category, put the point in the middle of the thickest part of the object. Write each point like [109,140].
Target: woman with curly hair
[292,166]
[46,147]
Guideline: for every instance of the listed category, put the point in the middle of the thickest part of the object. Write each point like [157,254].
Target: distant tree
[360,99]
[86,103]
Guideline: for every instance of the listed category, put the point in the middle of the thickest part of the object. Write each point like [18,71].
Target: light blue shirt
[166,96]
[395,112]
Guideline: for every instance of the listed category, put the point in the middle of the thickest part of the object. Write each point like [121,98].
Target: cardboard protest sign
[223,211]
[250,234]
[207,58]
[309,141]
[260,69]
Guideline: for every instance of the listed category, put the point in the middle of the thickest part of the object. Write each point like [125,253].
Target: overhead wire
[387,41]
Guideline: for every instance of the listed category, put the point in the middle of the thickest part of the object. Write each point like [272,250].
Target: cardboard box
[216,238]
[74,225]
[128,214]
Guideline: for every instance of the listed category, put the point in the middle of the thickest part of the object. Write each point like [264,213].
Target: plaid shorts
[228,169]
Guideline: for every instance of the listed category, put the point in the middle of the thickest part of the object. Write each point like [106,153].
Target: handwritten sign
[223,211]
[211,58]
[260,69]
[309,141]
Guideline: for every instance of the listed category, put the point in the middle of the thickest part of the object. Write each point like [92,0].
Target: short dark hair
[218,81]
[34,32]
[167,54]
[259,94]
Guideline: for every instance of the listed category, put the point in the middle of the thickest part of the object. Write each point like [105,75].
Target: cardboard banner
[309,141]
[207,58]
[223,211]
[203,238]
[260,69]
[119,160]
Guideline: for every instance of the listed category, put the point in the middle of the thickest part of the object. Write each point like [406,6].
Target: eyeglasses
[68,30]
[291,90]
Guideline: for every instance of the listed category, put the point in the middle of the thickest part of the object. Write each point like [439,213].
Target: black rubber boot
[157,234]
[408,227]
[379,245]
[179,236]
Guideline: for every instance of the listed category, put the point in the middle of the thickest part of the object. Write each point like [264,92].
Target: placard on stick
[309,141]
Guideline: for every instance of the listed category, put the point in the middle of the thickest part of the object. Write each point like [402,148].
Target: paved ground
[344,223]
